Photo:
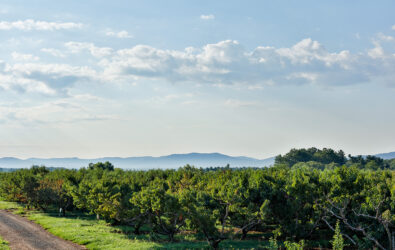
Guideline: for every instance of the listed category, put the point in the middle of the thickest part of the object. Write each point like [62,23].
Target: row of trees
[294,202]
[329,158]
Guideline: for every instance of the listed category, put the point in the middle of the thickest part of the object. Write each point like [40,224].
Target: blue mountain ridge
[386,156]
[143,162]
[172,161]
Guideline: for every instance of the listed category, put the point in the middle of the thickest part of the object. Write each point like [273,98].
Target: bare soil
[23,234]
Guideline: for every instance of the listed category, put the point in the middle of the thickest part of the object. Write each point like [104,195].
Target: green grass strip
[97,234]
[3,244]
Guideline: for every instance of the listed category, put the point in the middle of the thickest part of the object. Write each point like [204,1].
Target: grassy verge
[85,230]
[3,244]
[5,205]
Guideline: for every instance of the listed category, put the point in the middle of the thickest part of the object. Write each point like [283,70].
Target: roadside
[4,244]
[78,228]
[85,230]
[24,234]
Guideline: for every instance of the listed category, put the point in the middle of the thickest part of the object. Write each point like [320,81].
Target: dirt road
[23,234]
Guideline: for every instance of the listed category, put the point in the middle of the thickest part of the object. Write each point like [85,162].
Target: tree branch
[333,229]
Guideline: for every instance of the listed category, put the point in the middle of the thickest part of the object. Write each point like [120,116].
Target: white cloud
[21,84]
[255,87]
[377,52]
[228,62]
[234,103]
[64,110]
[31,24]
[47,79]
[207,17]
[182,98]
[24,57]
[77,47]
[120,34]
[50,69]
[383,37]
[393,27]
[54,52]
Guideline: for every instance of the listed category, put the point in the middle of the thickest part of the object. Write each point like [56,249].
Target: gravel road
[23,234]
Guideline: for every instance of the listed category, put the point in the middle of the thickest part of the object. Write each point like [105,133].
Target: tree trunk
[244,234]
[215,243]
[388,235]
[171,237]
[137,228]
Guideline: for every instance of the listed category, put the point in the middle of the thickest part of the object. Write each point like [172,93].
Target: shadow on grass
[184,240]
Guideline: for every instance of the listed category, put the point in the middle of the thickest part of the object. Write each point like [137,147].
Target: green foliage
[338,241]
[369,162]
[300,198]
[391,163]
[100,165]
[273,245]
[294,245]
[97,234]
[163,209]
[6,205]
[4,244]
[325,156]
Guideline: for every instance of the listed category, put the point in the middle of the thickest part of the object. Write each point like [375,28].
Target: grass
[94,234]
[86,231]
[3,244]
[97,234]
[6,205]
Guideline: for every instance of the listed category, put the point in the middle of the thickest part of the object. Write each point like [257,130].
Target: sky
[253,78]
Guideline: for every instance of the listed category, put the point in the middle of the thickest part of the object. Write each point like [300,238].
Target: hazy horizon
[99,79]
[186,153]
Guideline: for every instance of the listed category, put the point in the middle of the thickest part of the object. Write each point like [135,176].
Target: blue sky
[255,78]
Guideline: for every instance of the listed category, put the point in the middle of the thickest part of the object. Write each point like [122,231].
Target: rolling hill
[149,162]
[145,162]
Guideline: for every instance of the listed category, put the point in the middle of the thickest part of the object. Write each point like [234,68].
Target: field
[296,203]
[97,234]
[6,205]
[3,244]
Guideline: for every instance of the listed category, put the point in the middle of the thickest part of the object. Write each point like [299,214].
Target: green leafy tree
[324,156]
[306,193]
[163,209]
[273,245]
[199,206]
[338,241]
[251,201]
[100,165]
[361,201]
[294,245]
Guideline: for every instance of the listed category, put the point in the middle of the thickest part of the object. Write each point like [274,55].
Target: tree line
[309,194]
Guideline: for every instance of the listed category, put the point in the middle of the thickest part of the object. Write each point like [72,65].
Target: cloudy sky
[256,78]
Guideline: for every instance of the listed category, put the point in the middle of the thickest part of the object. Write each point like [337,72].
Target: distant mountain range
[387,156]
[148,162]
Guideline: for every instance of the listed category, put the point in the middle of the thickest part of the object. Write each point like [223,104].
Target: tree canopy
[309,194]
